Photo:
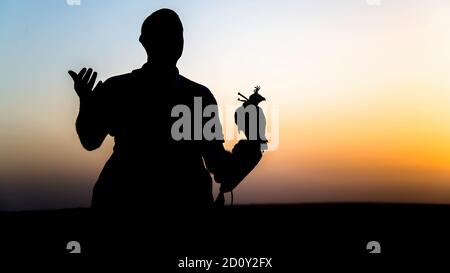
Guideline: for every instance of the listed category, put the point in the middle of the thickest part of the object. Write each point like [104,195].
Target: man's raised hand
[84,82]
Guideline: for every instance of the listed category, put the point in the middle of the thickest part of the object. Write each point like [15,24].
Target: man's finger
[87,76]
[81,73]
[92,81]
[99,84]
[73,75]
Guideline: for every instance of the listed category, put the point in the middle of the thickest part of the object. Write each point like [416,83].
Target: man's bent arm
[230,168]
[91,122]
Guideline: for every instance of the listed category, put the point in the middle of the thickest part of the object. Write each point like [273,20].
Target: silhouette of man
[148,167]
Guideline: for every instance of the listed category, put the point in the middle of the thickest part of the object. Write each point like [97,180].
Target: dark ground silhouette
[291,234]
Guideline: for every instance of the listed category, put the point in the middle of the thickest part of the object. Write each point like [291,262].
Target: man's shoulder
[113,86]
[119,79]
[197,89]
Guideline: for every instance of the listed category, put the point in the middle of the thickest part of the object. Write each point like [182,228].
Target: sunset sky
[363,93]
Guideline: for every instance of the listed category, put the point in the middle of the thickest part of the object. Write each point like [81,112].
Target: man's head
[162,37]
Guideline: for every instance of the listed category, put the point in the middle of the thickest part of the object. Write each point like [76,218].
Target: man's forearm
[235,166]
[90,124]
